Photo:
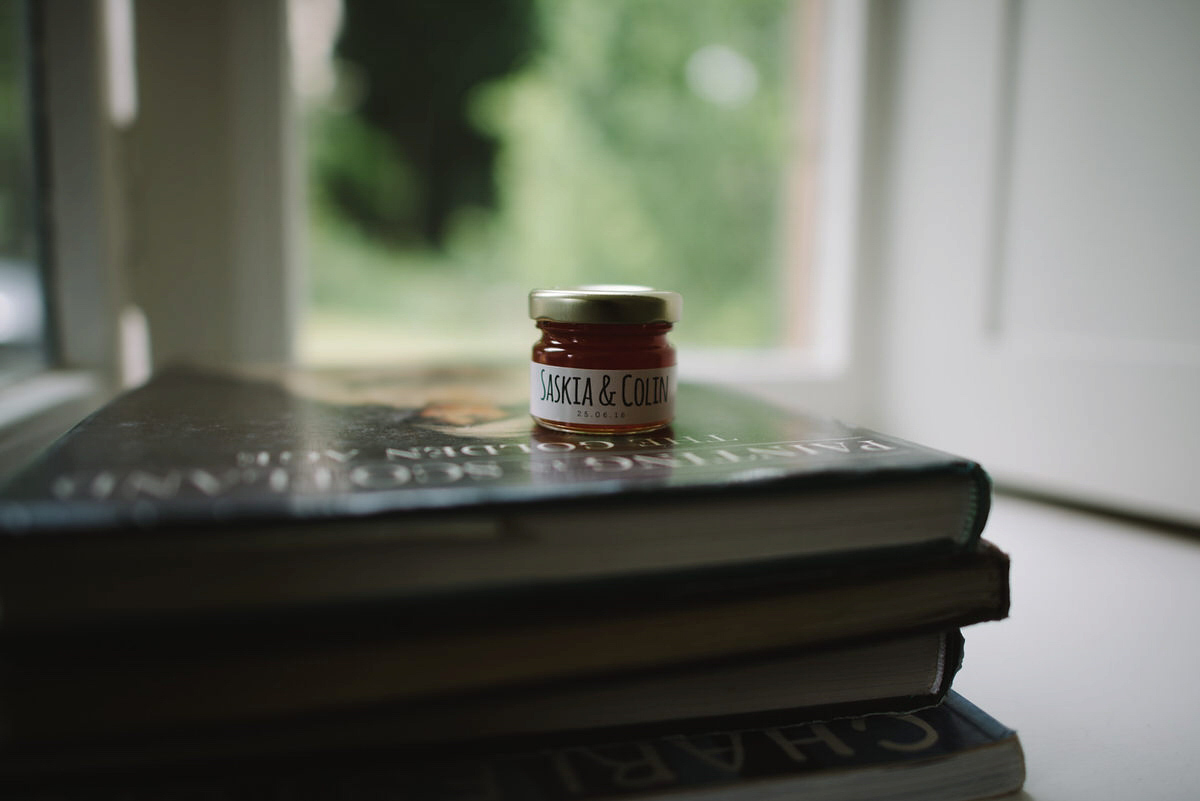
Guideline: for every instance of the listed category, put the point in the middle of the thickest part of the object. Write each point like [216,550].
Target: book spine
[979,503]
[976,718]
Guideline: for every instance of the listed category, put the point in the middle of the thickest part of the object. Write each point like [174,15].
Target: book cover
[96,685]
[953,752]
[897,674]
[314,488]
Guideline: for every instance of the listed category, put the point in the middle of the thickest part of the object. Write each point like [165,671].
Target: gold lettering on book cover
[928,738]
[296,472]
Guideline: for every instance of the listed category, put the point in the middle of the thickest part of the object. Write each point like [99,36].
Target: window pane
[21,304]
[458,160]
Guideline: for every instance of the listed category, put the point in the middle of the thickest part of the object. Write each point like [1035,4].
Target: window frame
[828,364]
[110,287]
[73,172]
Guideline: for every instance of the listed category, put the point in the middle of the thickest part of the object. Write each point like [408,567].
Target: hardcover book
[207,494]
[953,752]
[106,726]
[136,681]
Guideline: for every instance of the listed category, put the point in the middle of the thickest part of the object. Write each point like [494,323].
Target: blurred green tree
[553,142]
[645,143]
[419,60]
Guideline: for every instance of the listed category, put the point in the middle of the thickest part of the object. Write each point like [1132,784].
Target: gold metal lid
[605,303]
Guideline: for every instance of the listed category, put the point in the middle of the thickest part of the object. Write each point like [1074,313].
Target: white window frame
[81,286]
[219,286]
[827,364]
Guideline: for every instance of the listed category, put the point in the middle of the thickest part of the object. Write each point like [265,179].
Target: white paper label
[602,397]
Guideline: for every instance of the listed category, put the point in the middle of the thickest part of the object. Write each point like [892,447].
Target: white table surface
[1098,666]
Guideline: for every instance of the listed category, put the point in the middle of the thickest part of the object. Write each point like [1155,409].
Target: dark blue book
[952,752]
[210,493]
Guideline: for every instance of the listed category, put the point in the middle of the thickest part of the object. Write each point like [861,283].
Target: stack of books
[388,583]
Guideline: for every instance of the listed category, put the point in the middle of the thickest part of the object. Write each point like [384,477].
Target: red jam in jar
[603,364]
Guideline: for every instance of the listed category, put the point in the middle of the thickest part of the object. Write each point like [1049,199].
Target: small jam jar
[603,364]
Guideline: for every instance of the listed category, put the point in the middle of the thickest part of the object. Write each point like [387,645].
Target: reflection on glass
[21,303]
[457,160]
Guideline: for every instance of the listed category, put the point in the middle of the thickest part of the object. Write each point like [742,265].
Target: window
[457,160]
[195,256]
[39,399]
[22,317]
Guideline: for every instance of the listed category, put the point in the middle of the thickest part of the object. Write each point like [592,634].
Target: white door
[1037,242]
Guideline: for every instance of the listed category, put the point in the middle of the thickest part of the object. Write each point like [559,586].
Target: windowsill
[756,365]
[36,410]
[1096,667]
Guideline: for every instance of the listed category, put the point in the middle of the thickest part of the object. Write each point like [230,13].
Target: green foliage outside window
[633,141]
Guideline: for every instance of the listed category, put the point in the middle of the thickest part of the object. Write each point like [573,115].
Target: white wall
[1037,198]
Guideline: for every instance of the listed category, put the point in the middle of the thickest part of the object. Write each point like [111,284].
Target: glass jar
[603,364]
